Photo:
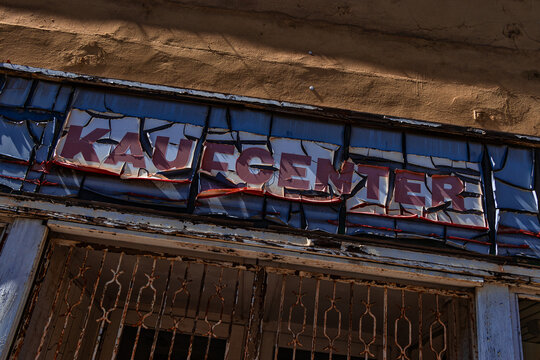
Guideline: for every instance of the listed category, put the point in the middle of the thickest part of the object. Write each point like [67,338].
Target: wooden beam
[382,268]
[116,221]
[498,335]
[19,260]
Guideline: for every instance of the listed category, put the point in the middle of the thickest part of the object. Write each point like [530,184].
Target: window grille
[120,304]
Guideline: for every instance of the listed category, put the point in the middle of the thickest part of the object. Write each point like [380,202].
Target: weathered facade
[159,216]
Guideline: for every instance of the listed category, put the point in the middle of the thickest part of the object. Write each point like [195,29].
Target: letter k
[74,144]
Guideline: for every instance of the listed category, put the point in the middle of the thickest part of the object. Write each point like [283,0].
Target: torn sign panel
[16,142]
[111,143]
[432,178]
[296,169]
[305,171]
[442,198]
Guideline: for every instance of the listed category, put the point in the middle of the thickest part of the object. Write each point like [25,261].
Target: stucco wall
[452,62]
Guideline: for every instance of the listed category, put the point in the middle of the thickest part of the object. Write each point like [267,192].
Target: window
[109,304]
[163,342]
[529,318]
[287,354]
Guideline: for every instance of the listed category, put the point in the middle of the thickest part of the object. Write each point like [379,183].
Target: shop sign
[286,168]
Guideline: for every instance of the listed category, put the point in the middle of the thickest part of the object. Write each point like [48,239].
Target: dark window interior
[180,348]
[287,354]
[529,316]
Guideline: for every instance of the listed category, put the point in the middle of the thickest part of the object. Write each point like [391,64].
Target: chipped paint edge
[153,87]
[330,113]
[58,212]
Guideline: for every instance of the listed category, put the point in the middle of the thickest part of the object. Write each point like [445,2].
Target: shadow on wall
[453,41]
[444,62]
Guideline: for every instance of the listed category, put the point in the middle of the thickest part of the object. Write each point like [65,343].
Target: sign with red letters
[285,168]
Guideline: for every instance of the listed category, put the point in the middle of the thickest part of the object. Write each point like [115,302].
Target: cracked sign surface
[435,179]
[437,189]
[405,178]
[256,167]
[515,199]
[293,171]
[130,147]
[307,173]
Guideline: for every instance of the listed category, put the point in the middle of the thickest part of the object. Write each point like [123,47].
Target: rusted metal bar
[53,307]
[280,314]
[368,305]
[233,313]
[420,327]
[161,311]
[212,327]
[315,318]
[183,289]
[194,328]
[333,307]
[385,324]
[71,306]
[104,319]
[125,309]
[403,316]
[437,321]
[295,342]
[254,331]
[142,317]
[90,305]
[472,329]
[454,329]
[349,334]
